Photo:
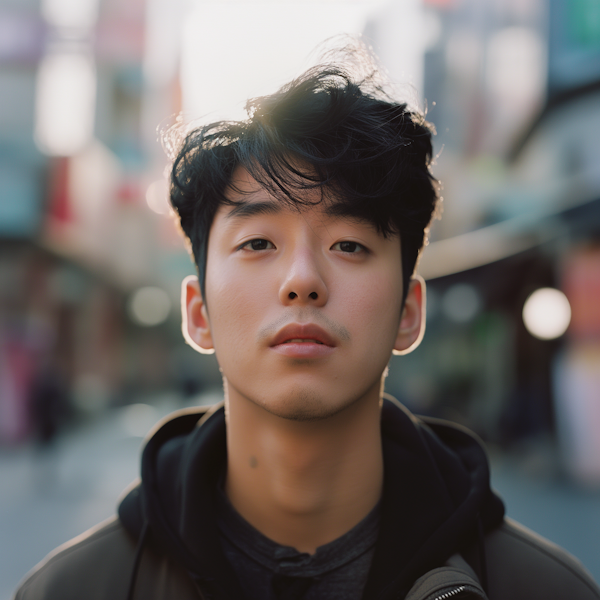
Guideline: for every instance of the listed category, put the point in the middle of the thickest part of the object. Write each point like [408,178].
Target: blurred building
[514,91]
[89,273]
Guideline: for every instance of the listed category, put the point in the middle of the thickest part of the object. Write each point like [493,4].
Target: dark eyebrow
[341,210]
[243,210]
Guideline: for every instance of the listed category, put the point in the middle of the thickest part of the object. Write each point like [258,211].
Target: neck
[304,483]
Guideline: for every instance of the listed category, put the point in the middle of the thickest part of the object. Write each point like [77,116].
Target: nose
[303,283]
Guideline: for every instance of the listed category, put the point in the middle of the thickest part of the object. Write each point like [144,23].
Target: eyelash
[358,247]
[246,245]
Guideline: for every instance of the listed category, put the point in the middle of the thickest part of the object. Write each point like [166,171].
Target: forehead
[243,188]
[241,183]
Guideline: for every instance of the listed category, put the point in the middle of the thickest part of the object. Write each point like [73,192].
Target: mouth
[303,333]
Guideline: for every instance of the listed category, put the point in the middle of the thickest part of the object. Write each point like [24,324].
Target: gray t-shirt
[268,571]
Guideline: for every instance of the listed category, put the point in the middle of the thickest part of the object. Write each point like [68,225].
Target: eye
[349,247]
[258,244]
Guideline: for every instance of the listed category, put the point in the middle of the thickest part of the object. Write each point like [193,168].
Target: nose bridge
[304,280]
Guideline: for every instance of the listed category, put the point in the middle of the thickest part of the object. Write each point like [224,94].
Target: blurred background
[91,352]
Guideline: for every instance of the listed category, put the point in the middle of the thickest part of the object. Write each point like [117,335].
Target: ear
[412,322]
[195,324]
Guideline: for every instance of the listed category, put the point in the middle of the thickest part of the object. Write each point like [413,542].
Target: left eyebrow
[244,210]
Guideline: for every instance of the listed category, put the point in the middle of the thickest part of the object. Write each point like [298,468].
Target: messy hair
[367,155]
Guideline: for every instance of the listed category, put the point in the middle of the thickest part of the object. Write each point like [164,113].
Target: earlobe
[412,323]
[195,323]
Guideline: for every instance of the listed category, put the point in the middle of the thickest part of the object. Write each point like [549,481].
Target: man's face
[303,307]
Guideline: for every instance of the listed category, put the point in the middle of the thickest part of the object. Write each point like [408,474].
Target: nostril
[292,295]
[313,295]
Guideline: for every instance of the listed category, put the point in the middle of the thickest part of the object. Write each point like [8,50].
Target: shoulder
[97,565]
[104,555]
[524,565]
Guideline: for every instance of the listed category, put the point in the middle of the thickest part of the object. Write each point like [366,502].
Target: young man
[306,222]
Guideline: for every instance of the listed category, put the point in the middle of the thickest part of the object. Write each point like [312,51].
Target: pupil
[259,244]
[348,246]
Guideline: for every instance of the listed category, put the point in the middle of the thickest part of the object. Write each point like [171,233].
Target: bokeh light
[137,419]
[461,303]
[66,103]
[157,197]
[149,306]
[80,14]
[547,313]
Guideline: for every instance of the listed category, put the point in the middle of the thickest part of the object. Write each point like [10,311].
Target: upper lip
[303,331]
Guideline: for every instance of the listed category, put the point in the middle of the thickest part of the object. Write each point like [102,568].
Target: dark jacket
[437,508]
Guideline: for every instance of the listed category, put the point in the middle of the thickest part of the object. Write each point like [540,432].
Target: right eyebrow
[244,210]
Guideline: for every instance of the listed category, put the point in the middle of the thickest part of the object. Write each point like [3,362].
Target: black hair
[367,154]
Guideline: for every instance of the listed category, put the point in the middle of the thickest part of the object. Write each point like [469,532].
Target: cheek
[374,304]
[233,306]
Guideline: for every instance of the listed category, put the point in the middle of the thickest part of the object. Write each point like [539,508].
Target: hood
[436,493]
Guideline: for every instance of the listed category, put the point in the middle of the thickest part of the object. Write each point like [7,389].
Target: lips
[296,333]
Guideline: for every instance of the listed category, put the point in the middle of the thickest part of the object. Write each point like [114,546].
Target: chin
[304,405]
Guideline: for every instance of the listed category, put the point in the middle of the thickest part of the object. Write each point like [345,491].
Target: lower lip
[303,350]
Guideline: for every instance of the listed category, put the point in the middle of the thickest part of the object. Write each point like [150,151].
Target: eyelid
[244,245]
[363,248]
[350,241]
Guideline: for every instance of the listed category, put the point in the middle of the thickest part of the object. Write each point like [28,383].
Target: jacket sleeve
[522,565]
[97,565]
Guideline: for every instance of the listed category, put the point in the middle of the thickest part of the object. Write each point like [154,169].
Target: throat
[301,485]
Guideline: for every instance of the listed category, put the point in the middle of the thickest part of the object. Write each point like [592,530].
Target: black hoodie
[436,499]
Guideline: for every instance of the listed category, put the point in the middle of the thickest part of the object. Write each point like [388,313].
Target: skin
[303,435]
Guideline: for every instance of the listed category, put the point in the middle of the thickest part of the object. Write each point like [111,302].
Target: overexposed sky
[235,51]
